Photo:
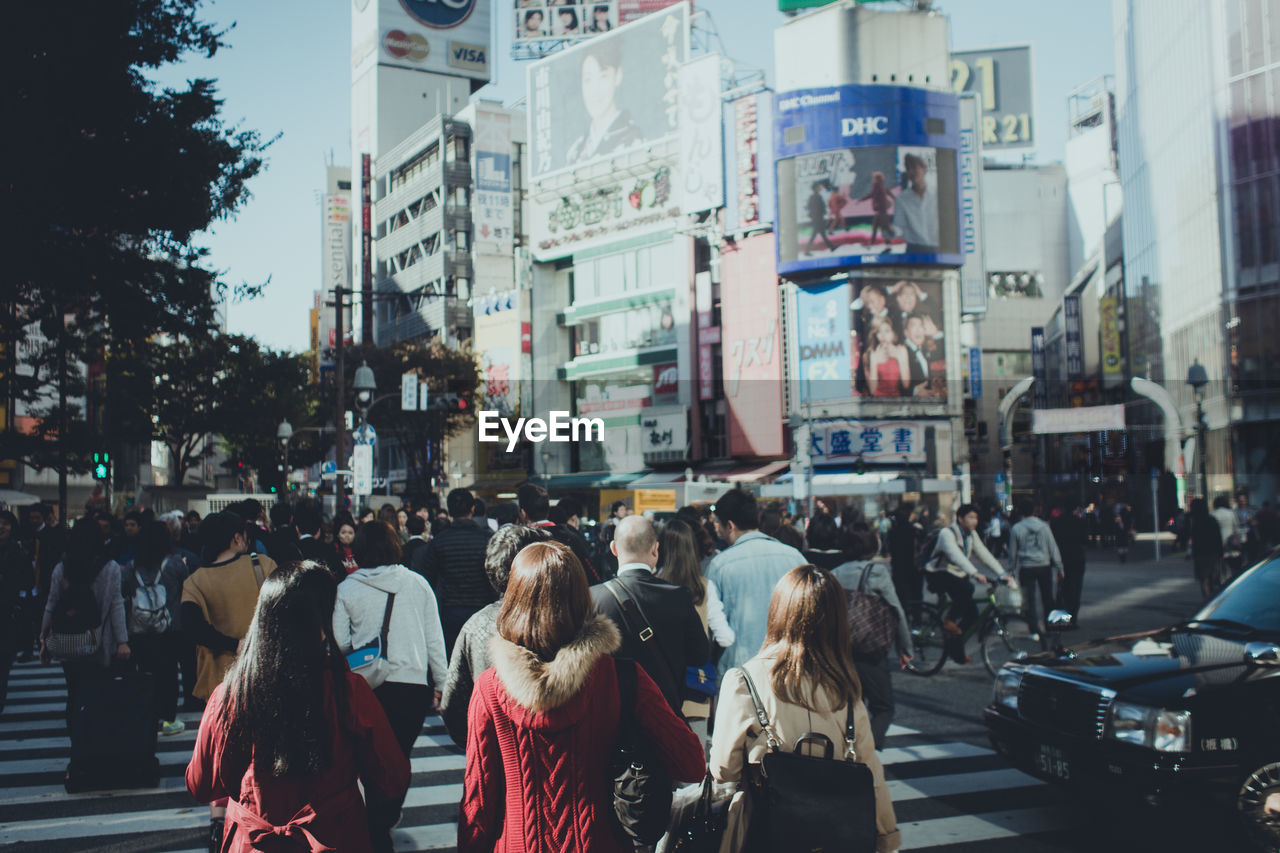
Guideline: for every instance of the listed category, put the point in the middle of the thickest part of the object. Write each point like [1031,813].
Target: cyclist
[951,571]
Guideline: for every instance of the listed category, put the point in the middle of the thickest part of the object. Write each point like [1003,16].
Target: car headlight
[1155,728]
[1005,693]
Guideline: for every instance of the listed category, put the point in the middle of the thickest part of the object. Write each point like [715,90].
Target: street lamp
[284,433]
[365,387]
[1197,378]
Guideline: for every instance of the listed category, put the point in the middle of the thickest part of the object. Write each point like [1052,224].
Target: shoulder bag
[873,624]
[702,831]
[641,787]
[800,802]
[370,661]
[632,615]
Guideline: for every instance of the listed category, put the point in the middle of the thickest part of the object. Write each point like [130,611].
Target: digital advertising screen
[866,175]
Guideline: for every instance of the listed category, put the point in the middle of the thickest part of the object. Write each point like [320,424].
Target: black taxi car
[1190,711]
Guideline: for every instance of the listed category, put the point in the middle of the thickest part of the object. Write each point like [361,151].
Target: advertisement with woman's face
[614,92]
[898,338]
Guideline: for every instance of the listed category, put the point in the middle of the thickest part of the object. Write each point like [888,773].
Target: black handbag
[703,829]
[799,802]
[641,786]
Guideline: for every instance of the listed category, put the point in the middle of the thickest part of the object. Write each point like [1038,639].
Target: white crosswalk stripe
[944,793]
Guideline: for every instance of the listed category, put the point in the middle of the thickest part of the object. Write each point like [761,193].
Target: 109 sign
[439,14]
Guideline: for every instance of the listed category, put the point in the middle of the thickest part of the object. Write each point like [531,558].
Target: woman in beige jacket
[805,677]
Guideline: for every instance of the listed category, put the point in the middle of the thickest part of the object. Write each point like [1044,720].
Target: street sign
[365,435]
[422,396]
[362,469]
[975,373]
[329,467]
[409,392]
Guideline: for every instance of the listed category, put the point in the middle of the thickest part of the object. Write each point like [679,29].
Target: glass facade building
[1198,111]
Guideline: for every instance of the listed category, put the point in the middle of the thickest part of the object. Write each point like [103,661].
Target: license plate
[1052,762]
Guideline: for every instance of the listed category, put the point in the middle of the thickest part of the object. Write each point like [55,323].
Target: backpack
[76,625]
[149,613]
[924,553]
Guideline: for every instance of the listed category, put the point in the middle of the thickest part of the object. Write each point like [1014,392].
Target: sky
[286,72]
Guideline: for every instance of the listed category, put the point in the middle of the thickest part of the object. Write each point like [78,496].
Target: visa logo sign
[865,126]
[473,57]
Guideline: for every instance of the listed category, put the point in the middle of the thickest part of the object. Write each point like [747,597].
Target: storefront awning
[658,478]
[756,473]
[845,481]
[589,480]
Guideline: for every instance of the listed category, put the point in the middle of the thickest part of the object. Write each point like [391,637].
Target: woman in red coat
[543,722]
[290,730]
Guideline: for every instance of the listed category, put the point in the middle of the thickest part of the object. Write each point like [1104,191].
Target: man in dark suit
[917,359]
[282,541]
[535,511]
[675,639]
[453,563]
[307,521]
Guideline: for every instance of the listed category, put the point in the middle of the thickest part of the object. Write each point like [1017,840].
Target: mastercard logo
[402,45]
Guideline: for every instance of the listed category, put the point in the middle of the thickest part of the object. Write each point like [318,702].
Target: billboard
[1109,334]
[866,175]
[873,338]
[493,211]
[616,93]
[441,36]
[748,162]
[751,350]
[1002,76]
[538,21]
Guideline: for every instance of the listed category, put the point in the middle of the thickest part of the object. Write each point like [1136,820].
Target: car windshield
[1253,600]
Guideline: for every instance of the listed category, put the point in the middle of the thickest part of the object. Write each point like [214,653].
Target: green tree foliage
[109,178]
[419,434]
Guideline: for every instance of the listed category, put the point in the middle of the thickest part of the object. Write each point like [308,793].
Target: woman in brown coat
[805,677]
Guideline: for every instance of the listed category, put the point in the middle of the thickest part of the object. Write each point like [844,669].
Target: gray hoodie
[1032,544]
[415,641]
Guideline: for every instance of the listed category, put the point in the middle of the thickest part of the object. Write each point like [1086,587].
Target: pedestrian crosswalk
[947,795]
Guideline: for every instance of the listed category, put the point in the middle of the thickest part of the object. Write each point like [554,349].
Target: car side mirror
[1060,620]
[1262,654]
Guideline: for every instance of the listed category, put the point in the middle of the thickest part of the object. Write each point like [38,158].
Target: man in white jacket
[951,570]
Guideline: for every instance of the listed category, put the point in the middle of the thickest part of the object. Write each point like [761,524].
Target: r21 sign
[1002,76]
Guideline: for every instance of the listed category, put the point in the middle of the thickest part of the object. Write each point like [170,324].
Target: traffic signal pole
[340,393]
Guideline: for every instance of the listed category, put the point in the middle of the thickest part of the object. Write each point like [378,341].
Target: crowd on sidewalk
[553,651]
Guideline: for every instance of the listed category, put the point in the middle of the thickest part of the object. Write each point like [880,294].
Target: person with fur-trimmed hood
[543,722]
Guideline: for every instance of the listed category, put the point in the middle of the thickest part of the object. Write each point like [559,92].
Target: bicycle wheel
[927,638]
[1008,637]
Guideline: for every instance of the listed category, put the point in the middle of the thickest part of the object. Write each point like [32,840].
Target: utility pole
[340,393]
[64,425]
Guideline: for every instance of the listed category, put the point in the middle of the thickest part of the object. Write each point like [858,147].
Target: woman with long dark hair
[551,703]
[806,679]
[291,730]
[678,564]
[86,574]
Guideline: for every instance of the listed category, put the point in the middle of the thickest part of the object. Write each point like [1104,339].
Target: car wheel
[1251,803]
[927,638]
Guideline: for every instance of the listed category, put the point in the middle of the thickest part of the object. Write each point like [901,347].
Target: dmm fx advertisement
[866,175]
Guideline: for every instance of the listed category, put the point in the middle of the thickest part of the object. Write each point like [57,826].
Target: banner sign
[1039,369]
[701,132]
[973,274]
[1073,332]
[975,373]
[493,210]
[1085,420]
[748,162]
[1109,332]
[842,442]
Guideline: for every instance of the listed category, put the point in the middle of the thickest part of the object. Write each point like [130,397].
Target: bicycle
[1004,635]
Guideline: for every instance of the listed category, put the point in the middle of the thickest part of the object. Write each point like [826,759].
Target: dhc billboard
[866,175]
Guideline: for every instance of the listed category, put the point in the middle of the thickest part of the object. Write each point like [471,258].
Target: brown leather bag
[873,623]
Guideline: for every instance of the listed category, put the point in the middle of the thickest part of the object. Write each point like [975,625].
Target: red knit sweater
[536,781]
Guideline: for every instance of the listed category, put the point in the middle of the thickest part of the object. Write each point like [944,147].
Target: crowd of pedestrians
[317,647]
